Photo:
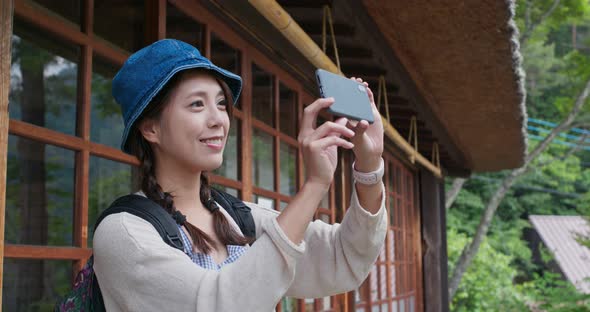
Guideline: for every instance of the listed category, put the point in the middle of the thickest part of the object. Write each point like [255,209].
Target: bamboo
[6,9]
[283,22]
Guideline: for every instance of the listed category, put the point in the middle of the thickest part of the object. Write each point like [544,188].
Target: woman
[176,106]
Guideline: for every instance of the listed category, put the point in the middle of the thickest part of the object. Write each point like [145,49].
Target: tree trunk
[471,249]
[451,194]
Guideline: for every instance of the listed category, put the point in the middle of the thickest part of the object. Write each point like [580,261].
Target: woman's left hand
[368,138]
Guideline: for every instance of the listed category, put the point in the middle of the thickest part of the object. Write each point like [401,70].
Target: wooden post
[6,9]
[435,241]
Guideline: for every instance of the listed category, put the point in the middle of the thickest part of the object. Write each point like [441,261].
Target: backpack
[86,295]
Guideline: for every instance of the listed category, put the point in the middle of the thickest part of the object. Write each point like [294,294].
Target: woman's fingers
[310,114]
[330,128]
[330,141]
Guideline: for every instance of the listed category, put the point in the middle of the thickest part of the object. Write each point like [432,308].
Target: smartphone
[351,99]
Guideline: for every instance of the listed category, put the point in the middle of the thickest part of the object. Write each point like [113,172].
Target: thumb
[359,129]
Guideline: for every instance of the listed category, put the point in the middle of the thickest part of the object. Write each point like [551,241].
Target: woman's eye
[222,103]
[197,104]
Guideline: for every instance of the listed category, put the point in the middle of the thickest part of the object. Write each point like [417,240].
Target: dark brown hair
[150,187]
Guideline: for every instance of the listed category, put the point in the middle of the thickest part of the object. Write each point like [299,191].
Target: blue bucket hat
[148,70]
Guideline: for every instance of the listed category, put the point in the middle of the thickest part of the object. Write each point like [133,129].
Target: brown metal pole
[6,9]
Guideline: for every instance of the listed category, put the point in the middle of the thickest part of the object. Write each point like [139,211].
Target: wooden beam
[6,9]
[47,252]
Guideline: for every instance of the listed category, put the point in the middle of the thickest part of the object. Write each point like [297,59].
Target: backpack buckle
[176,241]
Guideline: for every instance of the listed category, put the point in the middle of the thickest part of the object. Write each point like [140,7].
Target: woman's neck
[184,185]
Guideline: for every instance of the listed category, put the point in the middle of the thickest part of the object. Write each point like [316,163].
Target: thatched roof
[464,58]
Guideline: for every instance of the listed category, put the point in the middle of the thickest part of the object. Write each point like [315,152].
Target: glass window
[34,285]
[230,167]
[106,121]
[68,9]
[108,180]
[39,193]
[288,157]
[287,111]
[325,218]
[283,205]
[121,23]
[382,282]
[262,96]
[228,190]
[263,160]
[374,284]
[288,304]
[180,26]
[325,203]
[43,79]
[226,57]
[264,201]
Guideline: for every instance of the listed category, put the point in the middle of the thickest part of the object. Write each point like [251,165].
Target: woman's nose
[215,117]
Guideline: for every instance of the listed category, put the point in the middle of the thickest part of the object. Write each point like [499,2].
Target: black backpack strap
[150,211]
[236,208]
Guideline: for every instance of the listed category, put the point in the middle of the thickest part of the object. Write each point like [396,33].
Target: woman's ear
[150,130]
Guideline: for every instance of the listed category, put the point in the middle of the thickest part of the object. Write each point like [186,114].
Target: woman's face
[193,127]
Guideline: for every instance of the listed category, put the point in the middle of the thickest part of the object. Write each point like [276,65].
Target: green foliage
[487,284]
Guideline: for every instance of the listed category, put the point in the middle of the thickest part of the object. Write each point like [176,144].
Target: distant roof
[465,59]
[559,235]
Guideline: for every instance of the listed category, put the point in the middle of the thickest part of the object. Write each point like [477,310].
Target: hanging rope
[413,136]
[383,90]
[435,155]
[328,18]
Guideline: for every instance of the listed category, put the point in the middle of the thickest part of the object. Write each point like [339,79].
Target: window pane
[394,306]
[43,79]
[309,304]
[262,96]
[120,23]
[230,168]
[263,160]
[106,121]
[69,9]
[264,201]
[325,203]
[229,190]
[108,181]
[39,193]
[392,220]
[374,284]
[34,285]
[287,110]
[392,280]
[283,205]
[288,304]
[325,217]
[180,26]
[226,57]
[327,303]
[391,242]
[288,156]
[382,282]
[390,177]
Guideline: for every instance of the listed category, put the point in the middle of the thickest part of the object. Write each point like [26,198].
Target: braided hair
[150,187]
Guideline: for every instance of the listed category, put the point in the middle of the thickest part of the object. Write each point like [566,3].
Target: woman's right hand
[319,145]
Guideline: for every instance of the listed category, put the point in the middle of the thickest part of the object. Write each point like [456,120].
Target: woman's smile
[215,143]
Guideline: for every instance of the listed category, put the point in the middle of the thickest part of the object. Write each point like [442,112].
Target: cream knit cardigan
[138,271]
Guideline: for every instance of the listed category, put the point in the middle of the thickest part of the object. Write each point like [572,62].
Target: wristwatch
[369,178]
